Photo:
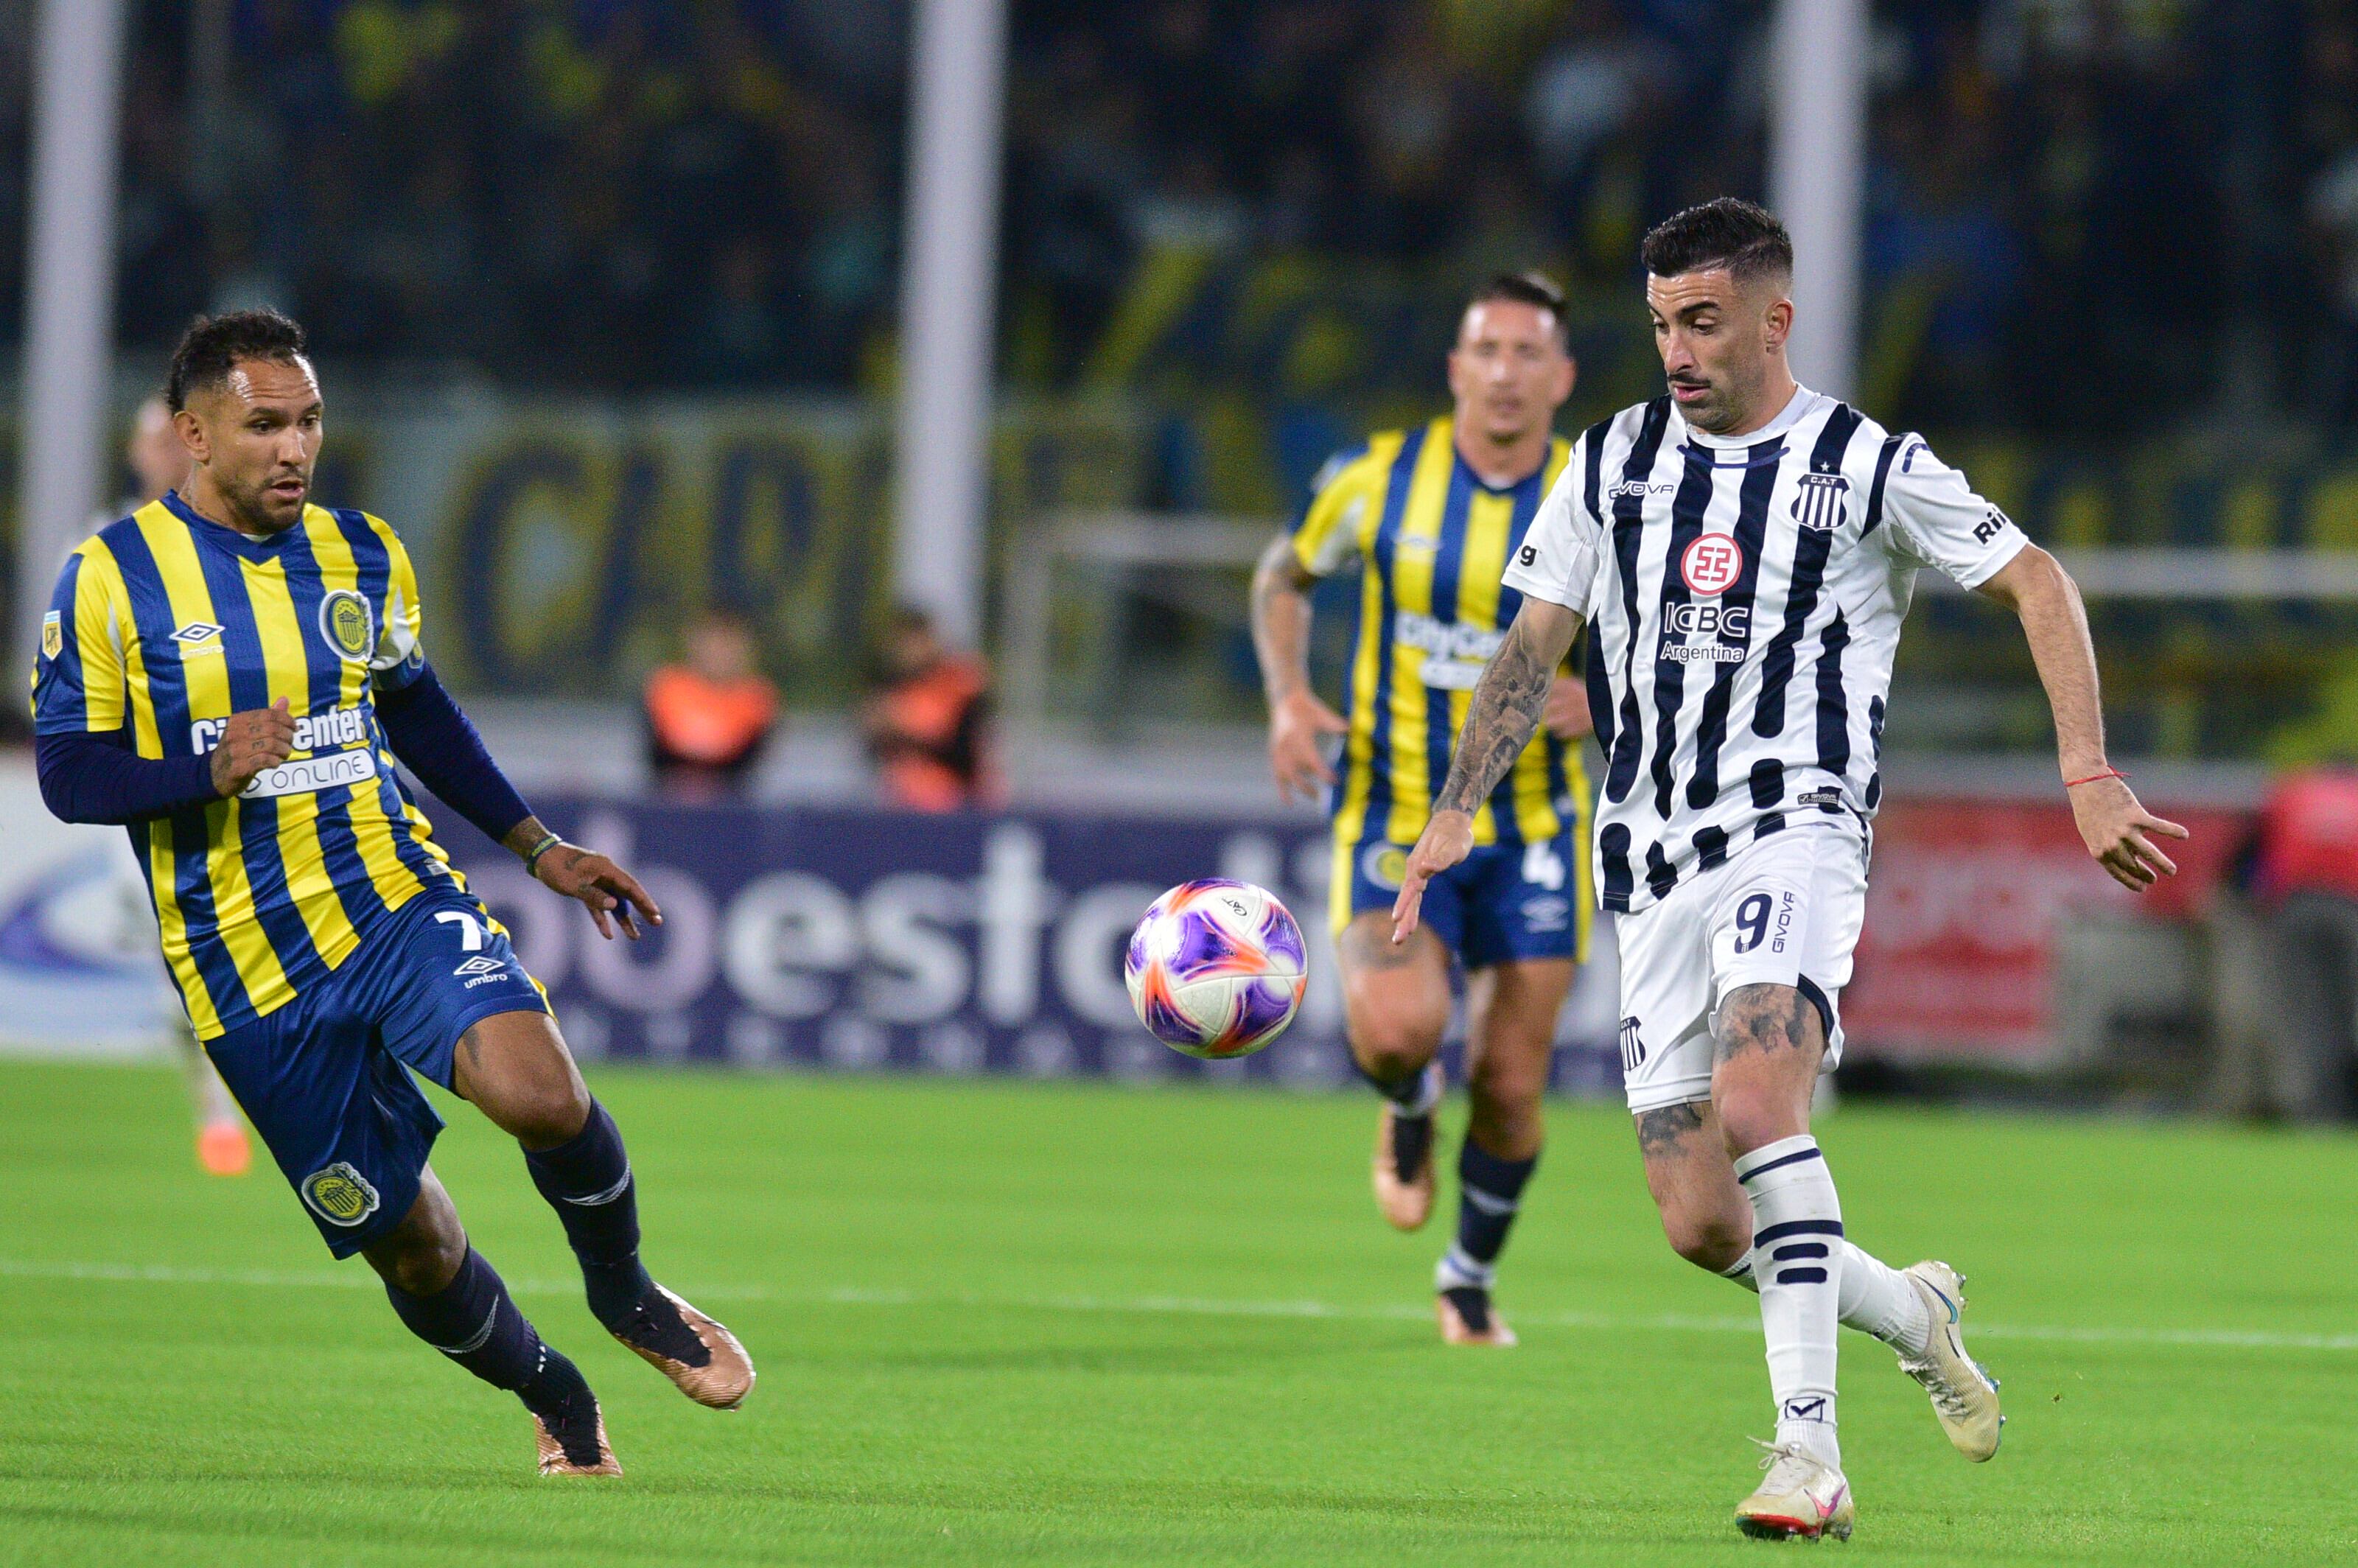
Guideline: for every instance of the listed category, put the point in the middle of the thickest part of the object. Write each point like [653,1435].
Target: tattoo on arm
[1658,1130]
[1504,712]
[1280,619]
[524,835]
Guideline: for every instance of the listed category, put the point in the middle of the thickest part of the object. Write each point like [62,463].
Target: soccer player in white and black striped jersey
[1745,549]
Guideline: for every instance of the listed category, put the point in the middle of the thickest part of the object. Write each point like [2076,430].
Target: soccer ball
[1217,968]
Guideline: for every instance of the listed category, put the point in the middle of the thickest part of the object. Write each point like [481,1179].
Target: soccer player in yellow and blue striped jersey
[230,672]
[1431,515]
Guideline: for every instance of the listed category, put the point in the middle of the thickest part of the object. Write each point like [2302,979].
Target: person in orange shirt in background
[709,716]
[928,723]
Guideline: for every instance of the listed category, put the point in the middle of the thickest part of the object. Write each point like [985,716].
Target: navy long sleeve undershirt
[434,737]
[98,778]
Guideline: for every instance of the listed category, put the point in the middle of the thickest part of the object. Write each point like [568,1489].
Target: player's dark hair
[212,345]
[1535,289]
[1741,236]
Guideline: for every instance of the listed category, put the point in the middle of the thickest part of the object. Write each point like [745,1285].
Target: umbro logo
[197,632]
[479,965]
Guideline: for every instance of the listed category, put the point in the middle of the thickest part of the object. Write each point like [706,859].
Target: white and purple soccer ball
[1217,968]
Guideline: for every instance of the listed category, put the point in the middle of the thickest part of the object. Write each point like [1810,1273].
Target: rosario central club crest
[1712,565]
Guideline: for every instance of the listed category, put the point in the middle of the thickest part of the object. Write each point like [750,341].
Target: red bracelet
[2092,778]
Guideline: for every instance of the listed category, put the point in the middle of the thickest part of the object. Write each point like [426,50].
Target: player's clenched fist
[1447,838]
[251,742]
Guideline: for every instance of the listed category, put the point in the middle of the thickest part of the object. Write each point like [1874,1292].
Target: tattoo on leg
[1660,1129]
[1367,947]
[1763,1018]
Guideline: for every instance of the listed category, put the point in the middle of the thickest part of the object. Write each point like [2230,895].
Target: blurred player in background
[158,463]
[231,673]
[1744,549]
[1431,515]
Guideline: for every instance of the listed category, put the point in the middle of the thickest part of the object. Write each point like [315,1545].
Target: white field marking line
[1182,1307]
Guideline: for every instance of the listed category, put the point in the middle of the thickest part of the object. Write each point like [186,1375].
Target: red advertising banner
[1963,904]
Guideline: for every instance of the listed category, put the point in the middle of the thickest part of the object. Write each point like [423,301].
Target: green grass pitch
[1003,1322]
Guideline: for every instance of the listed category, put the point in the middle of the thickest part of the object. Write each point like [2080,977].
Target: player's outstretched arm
[1505,709]
[2118,831]
[1280,631]
[607,891]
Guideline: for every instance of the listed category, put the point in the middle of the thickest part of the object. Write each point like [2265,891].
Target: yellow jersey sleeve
[81,674]
[400,650]
[1329,532]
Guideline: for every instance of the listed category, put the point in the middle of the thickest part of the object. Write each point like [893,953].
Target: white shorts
[1784,911]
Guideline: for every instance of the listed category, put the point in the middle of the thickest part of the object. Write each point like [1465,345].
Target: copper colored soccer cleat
[1405,1198]
[556,1461]
[1469,1318]
[726,1377]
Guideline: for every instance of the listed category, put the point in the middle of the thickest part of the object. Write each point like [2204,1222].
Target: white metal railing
[1112,547]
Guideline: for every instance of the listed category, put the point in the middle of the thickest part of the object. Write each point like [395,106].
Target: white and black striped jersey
[1746,596]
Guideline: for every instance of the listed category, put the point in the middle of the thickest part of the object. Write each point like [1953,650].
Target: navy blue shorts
[1501,904]
[325,1079]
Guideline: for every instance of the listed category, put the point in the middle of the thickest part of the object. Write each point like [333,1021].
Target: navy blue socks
[587,1179]
[474,1321]
[1489,1190]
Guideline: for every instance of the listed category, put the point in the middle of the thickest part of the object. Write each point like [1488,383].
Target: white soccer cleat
[1802,1498]
[1964,1396]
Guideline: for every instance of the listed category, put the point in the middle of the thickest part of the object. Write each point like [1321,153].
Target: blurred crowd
[602,193]
[2076,210]
[2076,206]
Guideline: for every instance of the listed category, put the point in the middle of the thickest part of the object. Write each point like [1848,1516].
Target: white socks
[1798,1263]
[1875,1298]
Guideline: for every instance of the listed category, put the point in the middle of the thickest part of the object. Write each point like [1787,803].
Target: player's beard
[260,510]
[1723,407]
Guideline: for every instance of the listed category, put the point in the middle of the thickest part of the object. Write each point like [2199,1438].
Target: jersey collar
[205,528]
[1547,455]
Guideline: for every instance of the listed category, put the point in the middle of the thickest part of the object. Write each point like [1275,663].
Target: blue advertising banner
[860,939]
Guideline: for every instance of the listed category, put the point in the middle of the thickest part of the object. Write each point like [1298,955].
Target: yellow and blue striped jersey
[1433,540]
[164,624]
